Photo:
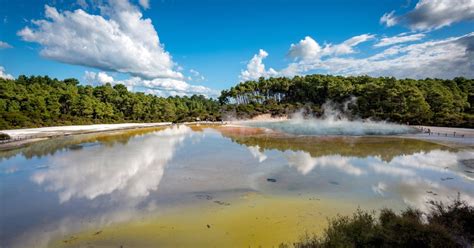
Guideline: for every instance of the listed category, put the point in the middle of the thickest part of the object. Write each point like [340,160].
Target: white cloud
[167,87]
[308,49]
[347,47]
[389,19]
[100,77]
[256,68]
[159,86]
[145,3]
[123,42]
[397,39]
[4,45]
[445,58]
[433,14]
[4,74]
[120,40]
[196,76]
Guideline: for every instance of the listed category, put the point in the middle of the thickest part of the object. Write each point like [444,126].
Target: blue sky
[207,46]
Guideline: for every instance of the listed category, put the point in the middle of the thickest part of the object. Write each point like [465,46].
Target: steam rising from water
[334,122]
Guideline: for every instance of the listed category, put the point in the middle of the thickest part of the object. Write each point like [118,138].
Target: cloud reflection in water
[304,163]
[256,153]
[415,178]
[131,171]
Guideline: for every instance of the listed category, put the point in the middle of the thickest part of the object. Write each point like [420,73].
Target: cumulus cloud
[433,14]
[256,68]
[97,78]
[119,39]
[4,74]
[309,49]
[159,86]
[397,39]
[169,87]
[4,45]
[443,58]
[305,49]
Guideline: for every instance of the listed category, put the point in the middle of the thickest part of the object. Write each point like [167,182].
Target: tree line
[425,101]
[42,101]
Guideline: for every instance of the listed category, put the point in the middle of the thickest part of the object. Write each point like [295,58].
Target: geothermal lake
[226,186]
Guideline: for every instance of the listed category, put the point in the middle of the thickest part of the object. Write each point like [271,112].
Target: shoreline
[22,137]
[25,136]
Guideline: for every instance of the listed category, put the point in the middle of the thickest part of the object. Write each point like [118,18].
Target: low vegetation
[444,226]
[42,101]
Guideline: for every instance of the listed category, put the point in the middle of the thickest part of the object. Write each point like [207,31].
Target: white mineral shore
[30,133]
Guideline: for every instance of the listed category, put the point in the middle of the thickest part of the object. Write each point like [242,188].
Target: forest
[42,101]
[427,101]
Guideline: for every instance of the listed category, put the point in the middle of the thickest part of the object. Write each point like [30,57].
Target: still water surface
[213,186]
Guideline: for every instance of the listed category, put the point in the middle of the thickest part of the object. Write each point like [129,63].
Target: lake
[231,186]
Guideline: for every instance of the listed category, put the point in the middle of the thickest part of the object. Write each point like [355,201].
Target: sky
[184,47]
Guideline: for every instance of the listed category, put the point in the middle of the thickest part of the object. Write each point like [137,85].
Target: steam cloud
[334,122]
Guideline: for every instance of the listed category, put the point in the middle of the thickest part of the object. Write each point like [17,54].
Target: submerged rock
[204,197]
[222,203]
[468,163]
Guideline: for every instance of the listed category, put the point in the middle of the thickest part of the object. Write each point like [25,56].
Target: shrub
[449,225]
[4,136]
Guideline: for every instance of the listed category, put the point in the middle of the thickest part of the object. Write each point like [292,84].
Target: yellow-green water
[252,221]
